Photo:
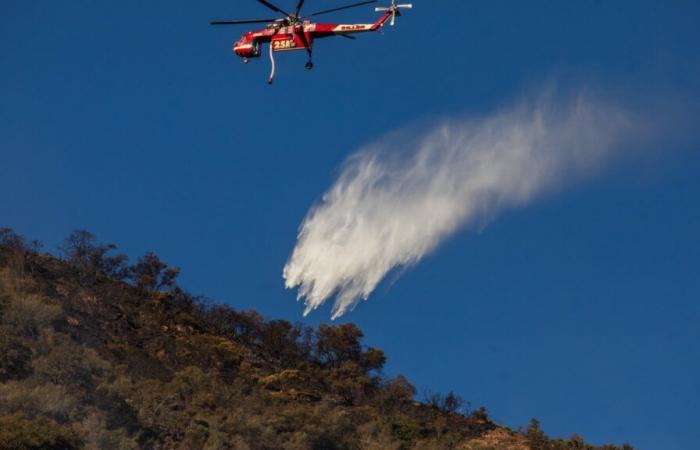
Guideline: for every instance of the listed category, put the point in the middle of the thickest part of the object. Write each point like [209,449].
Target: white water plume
[397,199]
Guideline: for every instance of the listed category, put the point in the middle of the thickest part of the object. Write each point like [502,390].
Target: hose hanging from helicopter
[272,59]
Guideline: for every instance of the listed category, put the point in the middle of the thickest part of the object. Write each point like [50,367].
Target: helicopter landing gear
[245,60]
[309,64]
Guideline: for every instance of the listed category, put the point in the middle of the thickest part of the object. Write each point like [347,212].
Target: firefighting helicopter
[294,32]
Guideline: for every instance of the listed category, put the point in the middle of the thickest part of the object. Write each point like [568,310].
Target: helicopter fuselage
[299,36]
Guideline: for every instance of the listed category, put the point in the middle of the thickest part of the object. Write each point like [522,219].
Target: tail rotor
[394,10]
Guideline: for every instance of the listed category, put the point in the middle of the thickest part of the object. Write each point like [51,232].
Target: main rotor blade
[347,36]
[239,22]
[354,5]
[273,7]
[299,6]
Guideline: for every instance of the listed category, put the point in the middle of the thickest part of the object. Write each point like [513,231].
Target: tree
[350,382]
[373,359]
[336,345]
[535,436]
[450,403]
[244,327]
[453,403]
[396,393]
[9,240]
[400,388]
[151,275]
[82,250]
[279,343]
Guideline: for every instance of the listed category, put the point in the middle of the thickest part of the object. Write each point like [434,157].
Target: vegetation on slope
[99,354]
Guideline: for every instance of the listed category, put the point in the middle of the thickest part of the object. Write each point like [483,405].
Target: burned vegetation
[98,353]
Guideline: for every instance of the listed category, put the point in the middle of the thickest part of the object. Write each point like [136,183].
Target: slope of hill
[99,354]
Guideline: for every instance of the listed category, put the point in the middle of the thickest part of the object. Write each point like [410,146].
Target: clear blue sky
[133,120]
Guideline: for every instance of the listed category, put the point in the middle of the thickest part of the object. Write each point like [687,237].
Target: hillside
[99,354]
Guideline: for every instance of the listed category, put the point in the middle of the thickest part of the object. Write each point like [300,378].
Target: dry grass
[498,439]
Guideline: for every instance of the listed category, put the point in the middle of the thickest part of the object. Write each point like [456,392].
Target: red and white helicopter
[294,32]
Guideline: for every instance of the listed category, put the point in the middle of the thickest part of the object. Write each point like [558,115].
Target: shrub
[70,364]
[15,357]
[33,400]
[29,314]
[21,433]
[405,430]
[100,436]
[14,251]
